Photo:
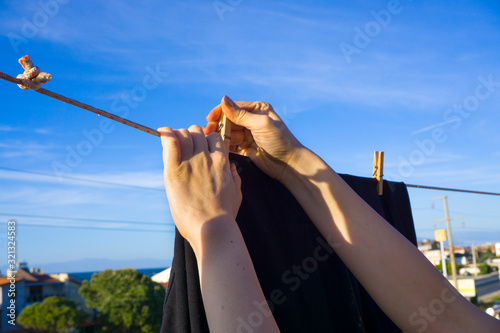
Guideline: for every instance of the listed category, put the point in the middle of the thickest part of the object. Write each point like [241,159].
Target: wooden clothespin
[224,130]
[378,170]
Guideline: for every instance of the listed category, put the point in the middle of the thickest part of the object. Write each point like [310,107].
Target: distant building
[427,245]
[71,287]
[486,247]
[431,250]
[497,249]
[39,285]
[31,286]
[434,256]
[162,277]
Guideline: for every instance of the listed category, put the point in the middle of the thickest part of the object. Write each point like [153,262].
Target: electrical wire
[160,189]
[450,189]
[85,227]
[82,219]
[91,228]
[81,179]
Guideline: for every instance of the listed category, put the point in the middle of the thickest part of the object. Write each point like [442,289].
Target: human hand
[257,132]
[201,186]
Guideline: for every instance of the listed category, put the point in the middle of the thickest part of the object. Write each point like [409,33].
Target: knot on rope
[32,76]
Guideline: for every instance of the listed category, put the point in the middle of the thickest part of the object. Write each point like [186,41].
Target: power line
[91,228]
[451,189]
[455,211]
[477,215]
[81,179]
[81,219]
[160,189]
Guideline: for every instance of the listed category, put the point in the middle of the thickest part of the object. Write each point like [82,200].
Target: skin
[204,195]
[398,277]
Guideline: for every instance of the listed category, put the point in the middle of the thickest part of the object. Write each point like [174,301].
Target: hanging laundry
[307,286]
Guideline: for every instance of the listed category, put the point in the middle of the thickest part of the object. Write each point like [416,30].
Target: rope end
[32,76]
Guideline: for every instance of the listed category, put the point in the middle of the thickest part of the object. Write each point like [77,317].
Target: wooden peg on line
[378,170]
[224,130]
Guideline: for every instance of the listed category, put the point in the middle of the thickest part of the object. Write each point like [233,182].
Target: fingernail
[229,101]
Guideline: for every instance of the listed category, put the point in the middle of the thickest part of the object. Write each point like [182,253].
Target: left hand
[201,185]
[258,133]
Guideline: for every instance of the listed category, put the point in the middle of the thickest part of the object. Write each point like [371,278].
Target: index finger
[213,121]
[171,149]
[214,115]
[253,107]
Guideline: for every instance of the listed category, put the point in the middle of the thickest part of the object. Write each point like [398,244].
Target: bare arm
[229,285]
[204,196]
[400,279]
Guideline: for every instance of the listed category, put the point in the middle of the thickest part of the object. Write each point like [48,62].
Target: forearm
[398,277]
[229,285]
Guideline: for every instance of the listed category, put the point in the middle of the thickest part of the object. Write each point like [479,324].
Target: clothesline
[154,132]
[83,106]
[451,189]
[378,166]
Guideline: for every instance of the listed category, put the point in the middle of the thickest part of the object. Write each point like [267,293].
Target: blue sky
[419,80]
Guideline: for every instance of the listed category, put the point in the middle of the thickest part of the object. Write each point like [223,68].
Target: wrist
[212,234]
[302,165]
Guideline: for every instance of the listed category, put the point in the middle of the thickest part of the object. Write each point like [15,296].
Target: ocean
[146,271]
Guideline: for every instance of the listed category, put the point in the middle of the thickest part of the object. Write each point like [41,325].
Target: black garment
[308,287]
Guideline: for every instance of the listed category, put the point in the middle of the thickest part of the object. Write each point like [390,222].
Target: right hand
[259,133]
[201,185]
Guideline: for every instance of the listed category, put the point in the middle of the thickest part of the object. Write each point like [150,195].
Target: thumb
[241,117]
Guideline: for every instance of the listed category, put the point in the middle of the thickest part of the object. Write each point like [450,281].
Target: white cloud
[37,196]
[461,178]
[428,128]
[301,55]
[7,128]
[44,131]
[19,149]
[152,179]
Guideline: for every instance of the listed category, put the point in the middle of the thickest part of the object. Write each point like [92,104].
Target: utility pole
[440,236]
[443,259]
[474,260]
[450,241]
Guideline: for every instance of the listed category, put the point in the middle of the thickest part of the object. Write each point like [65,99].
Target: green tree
[54,315]
[126,301]
[448,267]
[484,269]
[483,256]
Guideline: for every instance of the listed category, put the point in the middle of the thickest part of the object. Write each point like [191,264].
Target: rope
[32,77]
[25,82]
[451,189]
